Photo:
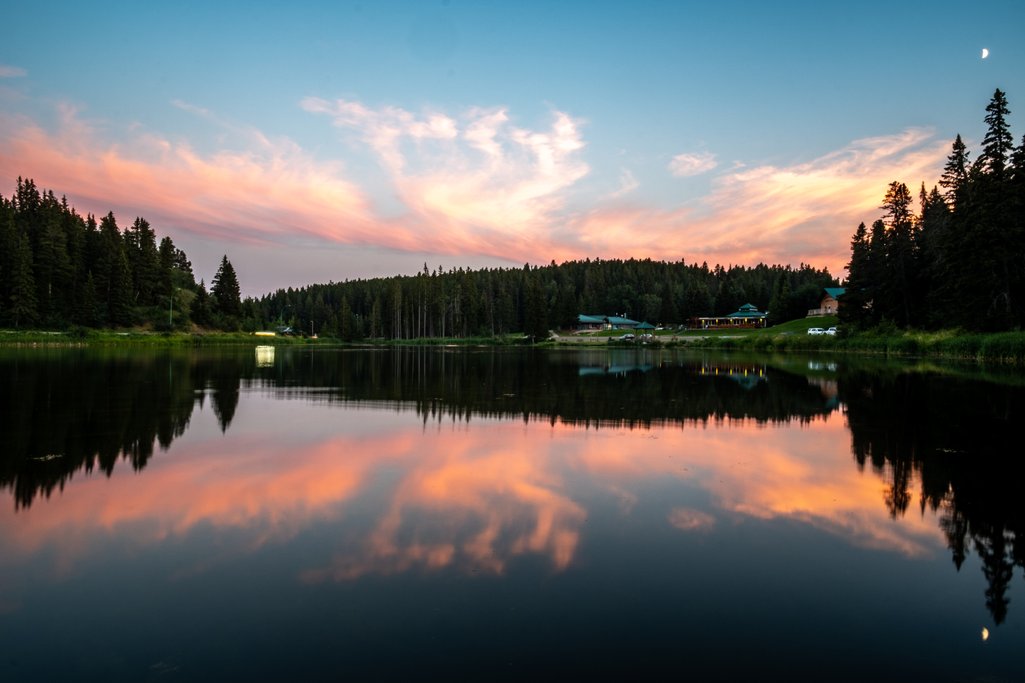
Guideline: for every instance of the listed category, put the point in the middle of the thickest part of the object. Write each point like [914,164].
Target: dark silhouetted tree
[225,290]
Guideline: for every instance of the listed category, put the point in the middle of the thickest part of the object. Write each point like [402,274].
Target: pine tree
[900,283]
[998,143]
[141,248]
[22,307]
[226,292]
[87,311]
[119,301]
[199,311]
[955,173]
[52,269]
[858,295]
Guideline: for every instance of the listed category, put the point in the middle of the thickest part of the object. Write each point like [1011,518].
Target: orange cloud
[694,163]
[474,185]
[772,214]
[271,192]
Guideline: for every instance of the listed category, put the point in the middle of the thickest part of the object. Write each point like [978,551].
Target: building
[605,322]
[747,315]
[830,303]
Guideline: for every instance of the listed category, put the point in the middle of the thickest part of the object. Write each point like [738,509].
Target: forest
[960,261]
[59,269]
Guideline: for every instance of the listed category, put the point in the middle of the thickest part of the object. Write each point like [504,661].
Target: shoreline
[999,347]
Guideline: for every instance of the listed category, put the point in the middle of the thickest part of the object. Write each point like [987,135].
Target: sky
[341,140]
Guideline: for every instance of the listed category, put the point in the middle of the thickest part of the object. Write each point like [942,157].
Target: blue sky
[338,140]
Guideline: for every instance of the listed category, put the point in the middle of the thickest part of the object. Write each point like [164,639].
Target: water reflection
[464,487]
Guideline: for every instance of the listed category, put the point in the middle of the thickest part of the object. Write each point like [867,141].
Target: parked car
[627,337]
[816,330]
[831,331]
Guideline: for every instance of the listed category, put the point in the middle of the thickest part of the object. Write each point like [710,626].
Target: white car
[816,330]
[831,331]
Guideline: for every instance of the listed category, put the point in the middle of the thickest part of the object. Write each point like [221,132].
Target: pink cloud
[273,191]
[473,184]
[484,185]
[805,212]
[7,71]
[690,164]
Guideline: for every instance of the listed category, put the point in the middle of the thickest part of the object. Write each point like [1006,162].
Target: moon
[985,52]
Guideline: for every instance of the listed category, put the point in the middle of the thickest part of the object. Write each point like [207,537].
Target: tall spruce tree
[200,310]
[22,309]
[856,300]
[225,289]
[900,281]
[141,248]
[955,173]
[998,143]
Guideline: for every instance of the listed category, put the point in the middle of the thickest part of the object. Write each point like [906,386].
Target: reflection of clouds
[493,503]
[472,498]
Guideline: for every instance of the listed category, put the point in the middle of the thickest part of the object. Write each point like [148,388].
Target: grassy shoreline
[999,347]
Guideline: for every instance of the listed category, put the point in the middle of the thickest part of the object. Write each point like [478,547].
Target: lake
[503,514]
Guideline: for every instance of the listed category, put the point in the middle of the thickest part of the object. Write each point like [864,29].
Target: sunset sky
[339,140]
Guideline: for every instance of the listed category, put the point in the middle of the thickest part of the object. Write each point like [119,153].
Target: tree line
[533,299]
[59,269]
[959,261]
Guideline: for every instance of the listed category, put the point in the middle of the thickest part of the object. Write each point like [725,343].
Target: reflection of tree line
[68,411]
[960,439]
[601,389]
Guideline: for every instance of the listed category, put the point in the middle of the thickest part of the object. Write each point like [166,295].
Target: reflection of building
[264,356]
[619,369]
[746,375]
[747,316]
[830,303]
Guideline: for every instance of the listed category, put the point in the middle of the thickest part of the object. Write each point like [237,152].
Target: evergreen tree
[52,270]
[858,296]
[998,143]
[119,301]
[87,312]
[955,173]
[200,311]
[144,260]
[22,307]
[937,266]
[899,285]
[226,292]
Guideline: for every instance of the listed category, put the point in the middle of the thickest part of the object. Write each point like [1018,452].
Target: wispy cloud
[474,184]
[693,163]
[804,212]
[627,184]
[8,71]
[271,191]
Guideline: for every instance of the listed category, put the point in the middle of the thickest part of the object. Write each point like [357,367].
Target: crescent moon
[985,52]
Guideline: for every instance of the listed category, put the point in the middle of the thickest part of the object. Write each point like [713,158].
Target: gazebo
[747,315]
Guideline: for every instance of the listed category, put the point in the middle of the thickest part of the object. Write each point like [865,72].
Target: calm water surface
[499,514]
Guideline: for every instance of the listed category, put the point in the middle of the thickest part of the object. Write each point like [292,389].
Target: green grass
[792,336]
[90,337]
